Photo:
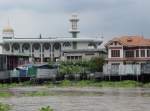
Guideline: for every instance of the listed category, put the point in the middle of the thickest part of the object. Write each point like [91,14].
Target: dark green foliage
[96,64]
[81,66]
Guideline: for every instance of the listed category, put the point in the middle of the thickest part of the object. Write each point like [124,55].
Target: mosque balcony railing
[81,50]
[17,53]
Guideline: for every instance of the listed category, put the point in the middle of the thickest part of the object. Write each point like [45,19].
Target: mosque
[40,50]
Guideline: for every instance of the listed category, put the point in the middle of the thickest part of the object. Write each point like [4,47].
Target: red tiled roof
[132,41]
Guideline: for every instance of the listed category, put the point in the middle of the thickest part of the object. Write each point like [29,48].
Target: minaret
[74,27]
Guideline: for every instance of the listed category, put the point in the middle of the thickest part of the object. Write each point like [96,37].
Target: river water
[95,100]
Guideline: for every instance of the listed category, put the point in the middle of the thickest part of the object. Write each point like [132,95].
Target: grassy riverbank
[82,83]
[89,83]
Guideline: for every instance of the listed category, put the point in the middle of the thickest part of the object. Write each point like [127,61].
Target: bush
[48,108]
[66,83]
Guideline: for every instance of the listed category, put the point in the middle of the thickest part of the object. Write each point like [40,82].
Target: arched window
[26,46]
[57,46]
[6,47]
[67,44]
[16,46]
[46,46]
[36,46]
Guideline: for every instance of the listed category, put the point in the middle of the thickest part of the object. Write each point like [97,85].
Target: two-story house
[126,51]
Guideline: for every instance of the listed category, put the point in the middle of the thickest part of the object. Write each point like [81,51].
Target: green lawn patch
[5,94]
[4,107]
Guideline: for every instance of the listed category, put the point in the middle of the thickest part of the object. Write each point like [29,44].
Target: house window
[142,53]
[137,53]
[80,57]
[115,43]
[74,58]
[148,53]
[68,57]
[129,53]
[115,53]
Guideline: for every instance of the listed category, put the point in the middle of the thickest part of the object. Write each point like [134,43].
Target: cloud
[50,17]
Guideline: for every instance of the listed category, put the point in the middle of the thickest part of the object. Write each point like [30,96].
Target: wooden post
[120,78]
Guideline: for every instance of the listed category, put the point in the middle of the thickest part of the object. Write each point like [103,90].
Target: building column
[109,53]
[31,52]
[145,52]
[96,44]
[134,53]
[41,53]
[121,53]
[10,45]
[139,52]
[51,51]
[61,52]
[20,50]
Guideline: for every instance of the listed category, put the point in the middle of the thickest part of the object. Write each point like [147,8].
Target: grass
[61,93]
[92,83]
[83,83]
[37,93]
[48,108]
[4,107]
[5,94]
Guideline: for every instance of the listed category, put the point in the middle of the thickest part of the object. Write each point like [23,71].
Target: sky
[110,18]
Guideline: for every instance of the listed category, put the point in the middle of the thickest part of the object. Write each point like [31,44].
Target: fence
[128,69]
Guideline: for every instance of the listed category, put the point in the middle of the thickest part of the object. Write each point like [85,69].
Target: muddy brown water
[81,99]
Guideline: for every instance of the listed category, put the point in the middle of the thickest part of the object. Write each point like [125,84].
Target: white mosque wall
[1,49]
[82,45]
[89,55]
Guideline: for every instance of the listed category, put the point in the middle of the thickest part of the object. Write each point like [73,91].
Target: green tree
[96,64]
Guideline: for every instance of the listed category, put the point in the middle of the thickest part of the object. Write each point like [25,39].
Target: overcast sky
[111,18]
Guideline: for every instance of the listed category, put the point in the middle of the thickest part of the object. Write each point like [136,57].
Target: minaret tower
[74,27]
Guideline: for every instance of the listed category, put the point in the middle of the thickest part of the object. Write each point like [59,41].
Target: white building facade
[51,49]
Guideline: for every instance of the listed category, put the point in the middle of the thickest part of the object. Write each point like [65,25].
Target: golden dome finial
[8,28]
